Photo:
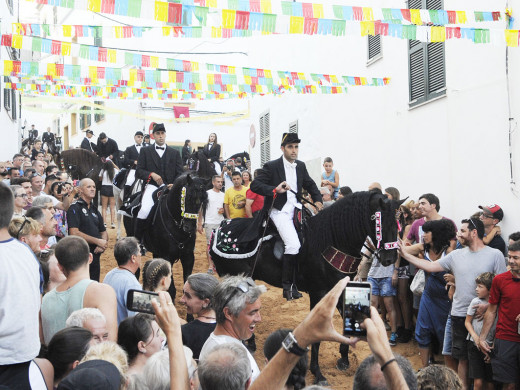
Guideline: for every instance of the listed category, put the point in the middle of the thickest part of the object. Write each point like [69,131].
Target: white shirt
[138,147]
[290,178]
[159,151]
[215,202]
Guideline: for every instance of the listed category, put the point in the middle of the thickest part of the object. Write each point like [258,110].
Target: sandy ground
[278,313]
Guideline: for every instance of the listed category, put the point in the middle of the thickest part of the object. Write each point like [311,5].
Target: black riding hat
[158,127]
[290,138]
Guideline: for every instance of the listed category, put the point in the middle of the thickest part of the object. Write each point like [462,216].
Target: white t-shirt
[19,303]
[215,202]
[213,341]
[106,180]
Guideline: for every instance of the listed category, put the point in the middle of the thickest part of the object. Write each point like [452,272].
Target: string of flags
[184,11]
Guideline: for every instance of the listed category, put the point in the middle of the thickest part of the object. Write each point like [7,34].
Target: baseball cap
[92,374]
[493,209]
[139,133]
[90,132]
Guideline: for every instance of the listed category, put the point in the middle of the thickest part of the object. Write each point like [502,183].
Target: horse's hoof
[342,364]
[322,382]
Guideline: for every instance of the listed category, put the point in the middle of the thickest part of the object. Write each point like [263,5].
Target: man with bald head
[85,221]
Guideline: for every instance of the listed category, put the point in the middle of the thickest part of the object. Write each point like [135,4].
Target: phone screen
[356,307]
[140,301]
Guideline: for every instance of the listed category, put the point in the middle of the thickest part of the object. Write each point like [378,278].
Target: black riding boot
[289,266]
[140,226]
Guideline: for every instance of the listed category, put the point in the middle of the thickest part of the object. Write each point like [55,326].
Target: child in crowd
[479,365]
[330,176]
[157,275]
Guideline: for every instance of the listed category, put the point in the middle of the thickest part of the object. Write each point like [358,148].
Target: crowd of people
[453,289]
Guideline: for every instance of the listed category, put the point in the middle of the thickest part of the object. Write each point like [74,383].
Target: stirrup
[287,294]
[142,249]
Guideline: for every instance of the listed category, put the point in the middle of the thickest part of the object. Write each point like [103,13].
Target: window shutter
[265,142]
[293,127]
[417,75]
[374,46]
[436,67]
[433,4]
[13,104]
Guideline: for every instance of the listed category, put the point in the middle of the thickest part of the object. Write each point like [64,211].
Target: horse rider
[283,176]
[131,156]
[87,144]
[158,165]
[48,137]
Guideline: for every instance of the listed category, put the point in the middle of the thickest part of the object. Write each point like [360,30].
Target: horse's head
[385,227]
[190,193]
[199,164]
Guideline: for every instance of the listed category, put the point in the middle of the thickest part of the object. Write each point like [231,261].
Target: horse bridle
[379,236]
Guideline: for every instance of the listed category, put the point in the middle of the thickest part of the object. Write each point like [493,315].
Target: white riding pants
[147,201]
[284,223]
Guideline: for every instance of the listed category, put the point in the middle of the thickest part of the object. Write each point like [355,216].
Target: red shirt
[258,200]
[505,293]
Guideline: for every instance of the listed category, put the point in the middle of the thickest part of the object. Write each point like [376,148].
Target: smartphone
[141,301]
[75,183]
[356,307]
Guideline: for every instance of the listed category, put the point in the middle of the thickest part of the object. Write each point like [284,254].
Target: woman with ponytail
[157,275]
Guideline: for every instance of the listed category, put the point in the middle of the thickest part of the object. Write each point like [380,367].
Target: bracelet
[387,363]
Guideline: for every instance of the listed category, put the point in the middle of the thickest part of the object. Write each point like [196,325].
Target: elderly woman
[196,296]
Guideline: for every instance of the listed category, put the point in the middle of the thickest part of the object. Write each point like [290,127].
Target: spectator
[37,149]
[479,370]
[157,275]
[369,374]
[20,200]
[77,291]
[122,278]
[226,366]
[504,297]
[514,237]
[146,140]
[39,167]
[235,198]
[66,349]
[254,202]
[107,147]
[246,179]
[375,186]
[18,162]
[19,283]
[197,296]
[490,217]
[106,176]
[392,193]
[465,264]
[26,230]
[210,220]
[272,345]
[238,165]
[48,225]
[94,374]
[92,319]
[186,152]
[51,170]
[435,304]
[237,307]
[140,337]
[227,171]
[344,191]
[26,185]
[330,177]
[327,197]
[37,184]
[55,277]
[86,222]
[437,377]
[110,352]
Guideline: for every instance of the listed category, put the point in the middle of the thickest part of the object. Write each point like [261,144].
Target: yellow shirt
[236,200]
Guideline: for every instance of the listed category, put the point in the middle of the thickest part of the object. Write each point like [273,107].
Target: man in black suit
[162,165]
[107,147]
[283,176]
[132,152]
[48,136]
[87,144]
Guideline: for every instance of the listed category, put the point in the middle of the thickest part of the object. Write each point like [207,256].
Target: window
[10,5]
[374,47]
[265,142]
[293,127]
[85,119]
[426,63]
[7,96]
[99,113]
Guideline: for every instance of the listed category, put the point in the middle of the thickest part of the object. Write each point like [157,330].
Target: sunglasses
[21,196]
[21,227]
[473,223]
[242,286]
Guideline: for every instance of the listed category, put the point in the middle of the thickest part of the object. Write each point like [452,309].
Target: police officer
[85,221]
[283,176]
[158,165]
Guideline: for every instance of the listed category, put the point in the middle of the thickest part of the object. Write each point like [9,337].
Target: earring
[204,306]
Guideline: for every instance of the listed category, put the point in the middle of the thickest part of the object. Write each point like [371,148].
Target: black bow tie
[159,147]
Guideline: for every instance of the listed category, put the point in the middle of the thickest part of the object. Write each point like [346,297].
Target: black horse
[173,223]
[80,164]
[344,226]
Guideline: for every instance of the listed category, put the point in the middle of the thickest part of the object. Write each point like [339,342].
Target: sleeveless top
[435,284]
[58,306]
[331,179]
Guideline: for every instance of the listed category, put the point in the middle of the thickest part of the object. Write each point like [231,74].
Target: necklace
[126,269]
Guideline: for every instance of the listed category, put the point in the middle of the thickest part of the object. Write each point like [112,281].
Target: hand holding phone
[140,301]
[356,308]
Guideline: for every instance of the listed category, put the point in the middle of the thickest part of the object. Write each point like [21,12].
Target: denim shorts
[446,347]
[382,287]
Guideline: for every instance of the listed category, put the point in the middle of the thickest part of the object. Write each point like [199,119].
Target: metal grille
[265,142]
[374,46]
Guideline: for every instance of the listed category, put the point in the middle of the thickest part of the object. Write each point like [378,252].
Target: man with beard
[48,225]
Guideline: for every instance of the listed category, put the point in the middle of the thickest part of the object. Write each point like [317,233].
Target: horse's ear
[383,201]
[189,179]
[400,202]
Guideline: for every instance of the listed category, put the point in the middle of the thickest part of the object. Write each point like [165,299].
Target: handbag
[418,282]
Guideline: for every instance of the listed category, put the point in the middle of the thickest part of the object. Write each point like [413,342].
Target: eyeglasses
[486,216]
[242,286]
[21,227]
[21,196]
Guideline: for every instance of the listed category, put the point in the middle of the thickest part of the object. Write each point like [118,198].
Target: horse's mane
[205,169]
[182,181]
[345,224]
[79,157]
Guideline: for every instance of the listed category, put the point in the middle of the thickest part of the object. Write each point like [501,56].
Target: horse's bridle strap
[183,206]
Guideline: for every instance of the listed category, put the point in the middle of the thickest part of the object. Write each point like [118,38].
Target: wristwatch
[291,345]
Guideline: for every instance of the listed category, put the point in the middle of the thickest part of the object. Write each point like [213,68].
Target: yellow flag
[118,31]
[231,70]
[112,56]
[511,38]
[247,80]
[211,3]
[296,25]
[154,62]
[267,74]
[367,28]
[172,76]
[132,76]
[317,10]
[461,17]
[17,41]
[415,16]
[211,79]
[51,70]
[94,5]
[67,30]
[438,34]
[8,67]
[216,32]
[92,73]
[194,66]
[65,48]
[228,18]
[368,14]
[265,6]
[166,31]
[161,11]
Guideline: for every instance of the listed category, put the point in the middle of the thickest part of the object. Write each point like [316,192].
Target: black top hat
[290,138]
[139,133]
[159,127]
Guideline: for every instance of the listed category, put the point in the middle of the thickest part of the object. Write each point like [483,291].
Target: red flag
[181,112]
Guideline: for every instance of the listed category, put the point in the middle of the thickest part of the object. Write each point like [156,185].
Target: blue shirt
[122,280]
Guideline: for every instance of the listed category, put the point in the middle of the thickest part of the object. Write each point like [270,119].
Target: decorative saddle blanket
[226,243]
